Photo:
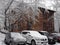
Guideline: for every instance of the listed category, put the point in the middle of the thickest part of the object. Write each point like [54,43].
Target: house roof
[47,9]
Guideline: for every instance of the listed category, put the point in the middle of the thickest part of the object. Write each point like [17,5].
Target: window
[41,33]
[25,32]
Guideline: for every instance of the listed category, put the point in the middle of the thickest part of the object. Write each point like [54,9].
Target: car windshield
[58,34]
[35,33]
[41,33]
[15,35]
[45,33]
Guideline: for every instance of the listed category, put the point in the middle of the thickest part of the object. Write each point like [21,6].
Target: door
[27,36]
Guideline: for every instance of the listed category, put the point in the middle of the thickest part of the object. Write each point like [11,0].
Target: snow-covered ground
[2,37]
[57,44]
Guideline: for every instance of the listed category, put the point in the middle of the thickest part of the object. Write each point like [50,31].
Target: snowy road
[55,44]
[2,37]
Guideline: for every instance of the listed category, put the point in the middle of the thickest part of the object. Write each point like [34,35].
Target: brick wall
[42,22]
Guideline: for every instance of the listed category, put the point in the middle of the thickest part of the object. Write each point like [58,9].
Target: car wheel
[54,42]
[6,42]
[24,44]
[33,43]
[11,43]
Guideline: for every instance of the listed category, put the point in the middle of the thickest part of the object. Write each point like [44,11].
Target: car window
[54,34]
[58,34]
[45,33]
[41,33]
[25,33]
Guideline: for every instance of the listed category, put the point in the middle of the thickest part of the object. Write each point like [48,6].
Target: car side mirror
[29,35]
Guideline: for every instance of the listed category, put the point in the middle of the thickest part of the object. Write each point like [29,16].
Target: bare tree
[9,4]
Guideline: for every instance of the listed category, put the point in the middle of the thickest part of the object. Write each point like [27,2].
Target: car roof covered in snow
[43,31]
[28,30]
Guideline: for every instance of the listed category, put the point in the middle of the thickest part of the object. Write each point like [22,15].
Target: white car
[14,38]
[34,37]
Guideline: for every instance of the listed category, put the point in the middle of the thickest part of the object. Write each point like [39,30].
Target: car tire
[51,42]
[11,43]
[24,44]
[54,42]
[33,43]
[6,42]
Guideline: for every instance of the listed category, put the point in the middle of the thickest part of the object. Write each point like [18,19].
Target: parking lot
[2,37]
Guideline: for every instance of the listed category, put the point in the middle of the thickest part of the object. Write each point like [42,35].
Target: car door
[25,34]
[29,37]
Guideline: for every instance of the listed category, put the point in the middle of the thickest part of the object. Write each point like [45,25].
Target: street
[2,37]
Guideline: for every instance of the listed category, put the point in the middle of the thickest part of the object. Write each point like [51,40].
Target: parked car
[34,38]
[51,38]
[57,36]
[14,38]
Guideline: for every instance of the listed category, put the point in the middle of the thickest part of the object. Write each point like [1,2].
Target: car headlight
[42,39]
[37,39]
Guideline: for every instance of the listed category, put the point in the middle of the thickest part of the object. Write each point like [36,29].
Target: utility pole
[9,4]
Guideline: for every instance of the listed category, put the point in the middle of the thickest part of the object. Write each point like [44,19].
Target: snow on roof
[47,9]
[43,31]
[34,33]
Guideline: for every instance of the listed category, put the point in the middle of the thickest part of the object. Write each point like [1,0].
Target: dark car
[14,38]
[57,36]
[51,38]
